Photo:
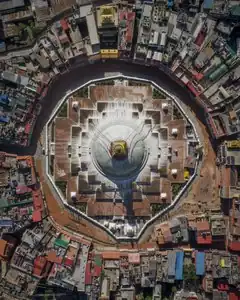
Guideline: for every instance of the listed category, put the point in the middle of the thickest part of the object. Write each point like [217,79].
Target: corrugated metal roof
[113,255]
[200,263]
[92,29]
[171,263]
[179,265]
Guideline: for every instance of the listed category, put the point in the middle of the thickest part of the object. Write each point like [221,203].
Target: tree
[140,296]
[22,26]
[174,290]
[189,272]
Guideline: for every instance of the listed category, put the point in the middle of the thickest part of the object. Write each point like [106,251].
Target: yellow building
[186,174]
[233,144]
[107,23]
[109,53]
[106,15]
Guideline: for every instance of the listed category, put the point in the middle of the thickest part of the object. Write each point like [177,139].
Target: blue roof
[58,24]
[4,98]
[2,44]
[4,119]
[200,263]
[208,4]
[170,3]
[179,265]
[6,223]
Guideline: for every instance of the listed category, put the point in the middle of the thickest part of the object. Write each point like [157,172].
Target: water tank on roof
[163,196]
[160,56]
[149,54]
[106,224]
[197,30]
[224,92]
[174,131]
[165,107]
[155,37]
[129,230]
[163,39]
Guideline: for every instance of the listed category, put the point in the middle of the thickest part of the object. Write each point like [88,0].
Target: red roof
[223,287]
[200,38]
[233,296]
[39,264]
[97,270]
[22,189]
[131,16]
[88,275]
[37,216]
[235,246]
[192,89]
[204,239]
[64,24]
[27,128]
[37,200]
[68,262]
[198,76]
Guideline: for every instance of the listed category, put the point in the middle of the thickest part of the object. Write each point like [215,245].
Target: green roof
[235,10]
[5,204]
[98,260]
[60,242]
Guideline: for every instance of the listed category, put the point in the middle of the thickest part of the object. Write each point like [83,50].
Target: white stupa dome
[118,150]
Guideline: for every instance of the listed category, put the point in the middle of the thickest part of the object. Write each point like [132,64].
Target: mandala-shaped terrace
[120,151]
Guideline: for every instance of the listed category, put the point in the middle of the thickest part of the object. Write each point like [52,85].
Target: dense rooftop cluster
[57,256]
[20,194]
[189,43]
[45,250]
[228,161]
[19,107]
